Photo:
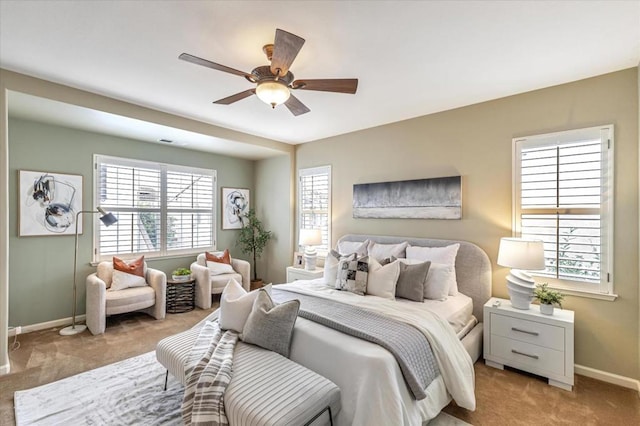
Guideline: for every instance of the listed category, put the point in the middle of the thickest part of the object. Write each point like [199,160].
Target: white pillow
[440,278]
[235,305]
[331,267]
[348,247]
[122,280]
[445,255]
[383,251]
[218,268]
[382,280]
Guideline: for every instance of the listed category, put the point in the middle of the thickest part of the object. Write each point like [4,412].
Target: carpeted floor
[503,397]
[128,392]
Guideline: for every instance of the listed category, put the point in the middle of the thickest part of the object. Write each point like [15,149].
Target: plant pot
[546,309]
[256,284]
[180,277]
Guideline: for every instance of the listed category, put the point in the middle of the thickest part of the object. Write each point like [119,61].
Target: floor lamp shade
[310,238]
[108,219]
[521,255]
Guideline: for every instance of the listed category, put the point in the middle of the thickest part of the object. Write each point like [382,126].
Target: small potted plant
[181,274]
[547,298]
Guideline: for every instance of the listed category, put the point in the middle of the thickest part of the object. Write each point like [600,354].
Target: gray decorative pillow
[352,274]
[411,281]
[270,325]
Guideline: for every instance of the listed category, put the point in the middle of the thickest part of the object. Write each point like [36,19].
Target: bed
[372,386]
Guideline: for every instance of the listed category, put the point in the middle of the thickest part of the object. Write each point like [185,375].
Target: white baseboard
[4,369]
[625,382]
[48,324]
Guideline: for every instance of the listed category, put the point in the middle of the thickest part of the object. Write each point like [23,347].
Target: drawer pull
[533,333]
[522,353]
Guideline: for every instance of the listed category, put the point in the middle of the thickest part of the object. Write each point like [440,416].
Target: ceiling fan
[274,82]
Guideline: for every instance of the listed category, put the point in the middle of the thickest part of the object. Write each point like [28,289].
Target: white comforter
[371,383]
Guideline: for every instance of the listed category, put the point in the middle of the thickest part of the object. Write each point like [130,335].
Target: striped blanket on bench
[208,372]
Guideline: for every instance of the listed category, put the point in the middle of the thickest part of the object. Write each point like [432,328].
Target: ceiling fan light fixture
[272,92]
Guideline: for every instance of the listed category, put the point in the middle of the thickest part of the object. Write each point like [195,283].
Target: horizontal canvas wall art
[436,198]
[48,203]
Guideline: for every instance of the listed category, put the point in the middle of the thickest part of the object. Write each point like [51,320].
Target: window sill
[610,297]
[155,258]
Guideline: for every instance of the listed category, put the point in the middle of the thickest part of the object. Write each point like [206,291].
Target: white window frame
[605,289]
[163,253]
[322,250]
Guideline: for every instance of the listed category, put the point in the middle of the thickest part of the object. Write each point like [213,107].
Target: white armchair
[207,284]
[101,303]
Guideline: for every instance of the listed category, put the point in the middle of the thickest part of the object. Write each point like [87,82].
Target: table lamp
[521,255]
[308,239]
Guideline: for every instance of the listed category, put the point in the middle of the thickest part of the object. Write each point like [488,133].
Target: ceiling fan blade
[285,49]
[339,85]
[199,61]
[235,98]
[295,106]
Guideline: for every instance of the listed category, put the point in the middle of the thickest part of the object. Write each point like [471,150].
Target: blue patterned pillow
[352,274]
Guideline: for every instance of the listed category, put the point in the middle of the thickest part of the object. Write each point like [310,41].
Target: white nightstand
[530,341]
[294,274]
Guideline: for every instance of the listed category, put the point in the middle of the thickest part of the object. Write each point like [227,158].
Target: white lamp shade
[272,92]
[520,253]
[310,237]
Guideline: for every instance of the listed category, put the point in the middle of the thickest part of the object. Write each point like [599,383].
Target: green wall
[41,268]
[273,205]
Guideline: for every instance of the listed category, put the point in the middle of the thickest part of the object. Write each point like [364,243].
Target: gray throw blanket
[208,372]
[408,345]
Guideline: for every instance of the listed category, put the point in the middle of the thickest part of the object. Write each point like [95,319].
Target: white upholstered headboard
[473,267]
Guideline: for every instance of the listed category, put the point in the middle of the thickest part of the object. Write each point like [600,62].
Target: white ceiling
[22,105]
[411,57]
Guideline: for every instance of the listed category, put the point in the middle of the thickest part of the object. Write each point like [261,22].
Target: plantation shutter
[132,194]
[562,199]
[189,210]
[314,202]
[162,209]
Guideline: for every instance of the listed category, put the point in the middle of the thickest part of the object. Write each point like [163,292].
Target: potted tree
[252,239]
[548,298]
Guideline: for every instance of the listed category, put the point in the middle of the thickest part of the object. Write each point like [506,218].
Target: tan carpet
[503,397]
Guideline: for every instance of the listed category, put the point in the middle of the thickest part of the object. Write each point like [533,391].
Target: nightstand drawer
[532,332]
[527,356]
[294,274]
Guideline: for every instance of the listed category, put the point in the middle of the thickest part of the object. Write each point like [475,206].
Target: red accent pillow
[225,258]
[134,267]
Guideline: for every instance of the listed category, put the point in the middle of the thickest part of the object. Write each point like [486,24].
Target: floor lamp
[108,219]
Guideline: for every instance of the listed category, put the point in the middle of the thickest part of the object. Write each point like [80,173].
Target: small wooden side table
[181,296]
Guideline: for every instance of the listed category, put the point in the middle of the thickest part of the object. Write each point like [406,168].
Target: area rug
[129,392]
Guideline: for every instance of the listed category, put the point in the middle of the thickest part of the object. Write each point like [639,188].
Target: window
[314,202]
[162,209]
[563,195]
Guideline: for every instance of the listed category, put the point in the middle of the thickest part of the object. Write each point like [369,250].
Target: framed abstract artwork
[48,203]
[235,204]
[434,198]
